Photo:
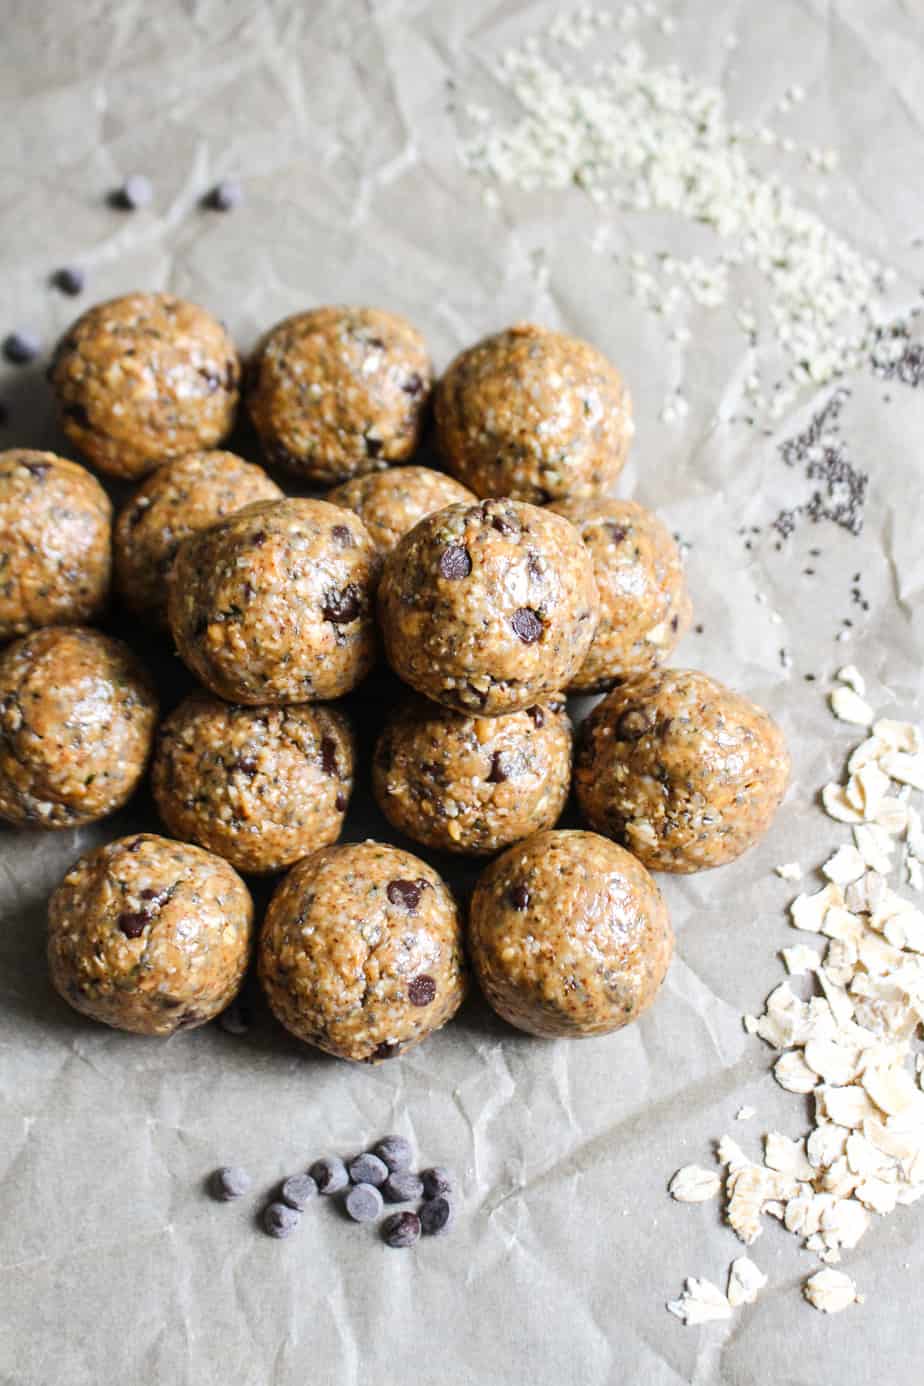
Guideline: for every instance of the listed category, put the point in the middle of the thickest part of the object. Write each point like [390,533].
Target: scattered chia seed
[225,196]
[823,456]
[135,192]
[896,357]
[21,347]
[698,629]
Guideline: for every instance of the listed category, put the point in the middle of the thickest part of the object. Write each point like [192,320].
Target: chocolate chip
[506,765]
[342,536]
[298,1191]
[436,1181]
[435,1216]
[373,446]
[21,347]
[675,622]
[155,898]
[421,991]
[225,196]
[343,607]
[413,386]
[537,715]
[77,414]
[38,469]
[518,896]
[258,539]
[632,724]
[405,894]
[616,532]
[455,562]
[279,1220]
[386,1050]
[330,1175]
[401,1229]
[367,1169]
[230,1182]
[395,1152]
[526,625]
[329,755]
[403,1186]
[503,525]
[340,802]
[212,378]
[363,1203]
[69,279]
[135,192]
[533,565]
[132,923]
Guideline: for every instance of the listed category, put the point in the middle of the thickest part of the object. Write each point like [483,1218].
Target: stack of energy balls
[496,589]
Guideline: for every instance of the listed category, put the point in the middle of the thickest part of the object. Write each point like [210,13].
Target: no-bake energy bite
[143,379]
[392,502]
[644,606]
[489,608]
[261,786]
[77,717]
[361,951]
[275,604]
[54,542]
[461,783]
[339,391]
[569,935]
[681,770]
[175,501]
[533,414]
[149,935]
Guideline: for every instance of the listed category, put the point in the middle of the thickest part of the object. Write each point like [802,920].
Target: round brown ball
[143,379]
[260,786]
[361,951]
[645,609]
[55,522]
[339,391]
[533,414]
[681,770]
[275,604]
[175,501]
[149,935]
[473,785]
[489,608]
[391,503]
[569,935]
[77,718]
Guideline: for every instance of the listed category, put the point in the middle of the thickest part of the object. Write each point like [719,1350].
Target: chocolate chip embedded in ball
[279,1220]
[395,1152]
[363,1203]
[368,1169]
[230,1182]
[436,1216]
[401,1229]
[298,1191]
[403,1186]
[330,1174]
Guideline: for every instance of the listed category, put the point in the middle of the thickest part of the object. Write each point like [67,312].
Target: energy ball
[391,503]
[143,379]
[361,951]
[533,414]
[644,605]
[339,391]
[176,501]
[260,786]
[569,935]
[55,521]
[77,717]
[681,770]
[275,604]
[459,783]
[149,935]
[489,608]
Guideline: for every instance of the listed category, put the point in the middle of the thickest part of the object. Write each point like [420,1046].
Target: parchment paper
[115,1267]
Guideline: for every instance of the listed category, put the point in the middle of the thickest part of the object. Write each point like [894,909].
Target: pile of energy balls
[495,589]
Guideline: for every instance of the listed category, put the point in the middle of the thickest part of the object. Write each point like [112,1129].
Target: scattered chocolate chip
[405,894]
[230,1182]
[341,535]
[225,196]
[363,1203]
[435,1216]
[279,1220]
[21,347]
[526,625]
[518,896]
[340,802]
[413,386]
[235,1020]
[401,1229]
[403,1186]
[135,192]
[155,898]
[343,607]
[537,715]
[373,446]
[632,724]
[455,562]
[436,1182]
[367,1169]
[615,532]
[69,279]
[395,1152]
[298,1191]
[422,990]
[330,1175]
[132,923]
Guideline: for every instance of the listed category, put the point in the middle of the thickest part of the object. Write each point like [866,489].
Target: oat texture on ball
[684,772]
[361,951]
[77,717]
[143,379]
[461,783]
[55,523]
[489,608]
[339,391]
[175,501]
[533,414]
[149,935]
[569,935]
[392,502]
[260,786]
[275,604]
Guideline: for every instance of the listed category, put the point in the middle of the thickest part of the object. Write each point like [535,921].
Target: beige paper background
[113,1265]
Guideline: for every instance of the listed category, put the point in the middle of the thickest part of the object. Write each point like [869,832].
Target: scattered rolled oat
[848,706]
[745,1281]
[693,1184]
[831,1291]
[789,871]
[700,1302]
[744,1113]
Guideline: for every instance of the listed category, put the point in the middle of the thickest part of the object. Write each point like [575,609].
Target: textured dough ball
[143,379]
[77,717]
[149,935]
[644,606]
[489,608]
[339,391]
[467,784]
[261,786]
[275,603]
[176,501]
[361,951]
[533,414]
[55,523]
[569,935]
[681,770]
[391,503]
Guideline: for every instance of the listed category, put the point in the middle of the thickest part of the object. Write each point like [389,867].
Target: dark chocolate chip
[330,1175]
[537,715]
[247,765]
[225,196]
[503,525]
[363,1203]
[675,622]
[298,1191]
[386,1050]
[533,565]
[413,386]
[69,279]
[343,607]
[421,991]
[77,414]
[436,1181]
[340,802]
[342,536]
[616,532]
[395,1152]
[435,1216]
[155,898]
[132,923]
[37,469]
[526,625]
[21,347]
[401,1229]
[405,894]
[258,539]
[329,755]
[403,1186]
[455,562]
[518,896]
[367,1169]
[230,1182]
[632,724]
[279,1220]
[373,446]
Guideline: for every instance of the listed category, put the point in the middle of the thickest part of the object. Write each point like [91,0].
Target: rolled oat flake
[364,1203]
[401,1229]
